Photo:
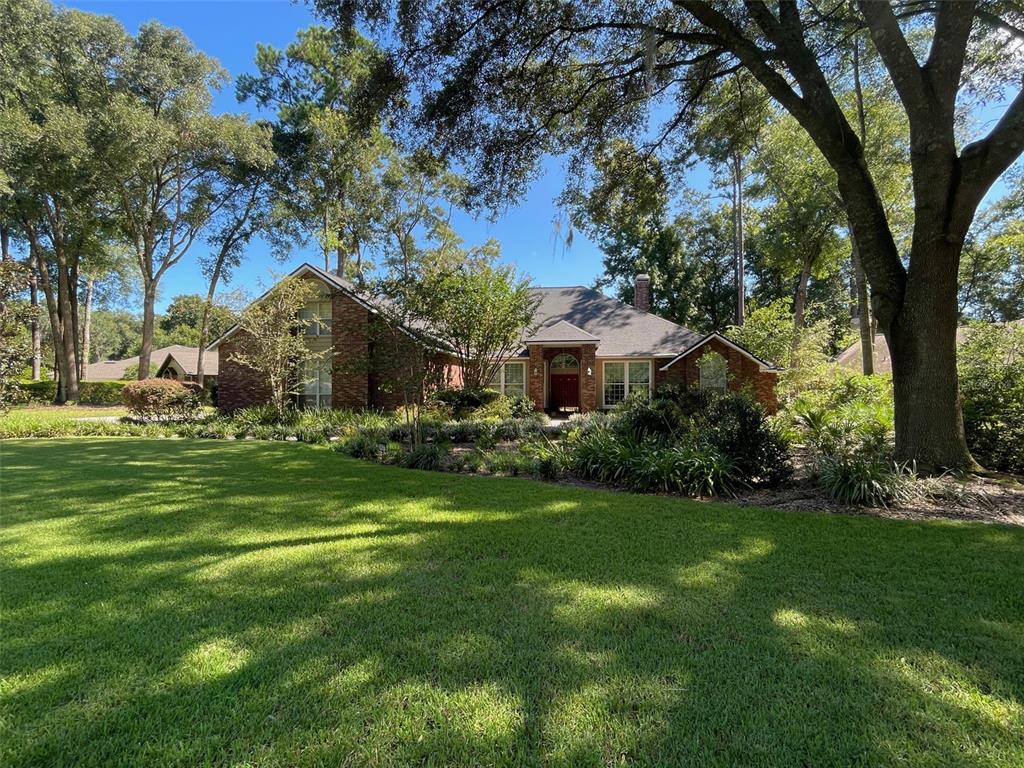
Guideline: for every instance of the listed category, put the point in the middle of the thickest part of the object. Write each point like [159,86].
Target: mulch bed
[991,501]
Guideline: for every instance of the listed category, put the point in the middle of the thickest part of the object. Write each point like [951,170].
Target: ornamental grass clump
[852,451]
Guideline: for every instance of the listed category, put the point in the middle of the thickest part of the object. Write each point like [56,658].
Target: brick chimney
[642,293]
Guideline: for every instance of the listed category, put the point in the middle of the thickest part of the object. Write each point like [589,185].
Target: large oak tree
[503,82]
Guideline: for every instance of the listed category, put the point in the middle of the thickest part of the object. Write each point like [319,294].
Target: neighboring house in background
[587,352]
[172,362]
[182,363]
[851,356]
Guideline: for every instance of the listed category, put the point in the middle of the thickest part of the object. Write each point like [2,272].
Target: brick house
[587,352]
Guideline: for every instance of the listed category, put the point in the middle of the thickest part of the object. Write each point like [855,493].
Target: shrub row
[688,466]
[90,392]
[480,403]
[732,426]
[851,447]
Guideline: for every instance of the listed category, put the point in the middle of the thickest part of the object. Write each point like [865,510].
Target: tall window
[712,368]
[564,362]
[510,379]
[622,378]
[316,384]
[318,318]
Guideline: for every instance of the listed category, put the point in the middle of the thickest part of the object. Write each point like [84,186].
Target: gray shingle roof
[624,331]
[586,313]
[188,359]
[562,331]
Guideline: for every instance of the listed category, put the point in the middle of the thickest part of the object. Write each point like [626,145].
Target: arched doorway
[565,382]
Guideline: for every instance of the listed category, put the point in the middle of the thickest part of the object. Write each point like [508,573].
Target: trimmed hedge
[39,391]
[162,398]
[89,392]
[100,392]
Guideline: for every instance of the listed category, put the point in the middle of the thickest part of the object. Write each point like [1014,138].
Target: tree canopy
[503,84]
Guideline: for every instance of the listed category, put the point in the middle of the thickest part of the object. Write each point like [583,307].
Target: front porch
[563,379]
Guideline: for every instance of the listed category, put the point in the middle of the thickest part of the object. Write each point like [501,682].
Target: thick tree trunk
[867,331]
[66,342]
[64,368]
[83,363]
[922,344]
[148,321]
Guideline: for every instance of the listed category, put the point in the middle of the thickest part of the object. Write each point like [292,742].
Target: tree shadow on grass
[278,604]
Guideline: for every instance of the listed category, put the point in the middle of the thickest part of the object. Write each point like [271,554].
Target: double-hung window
[620,379]
[510,379]
[316,384]
[317,317]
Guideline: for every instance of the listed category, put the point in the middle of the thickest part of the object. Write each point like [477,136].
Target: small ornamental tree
[481,314]
[272,340]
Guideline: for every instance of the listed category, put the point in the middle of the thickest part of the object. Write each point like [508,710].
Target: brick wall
[237,385]
[390,349]
[350,336]
[588,381]
[743,373]
[536,373]
[535,377]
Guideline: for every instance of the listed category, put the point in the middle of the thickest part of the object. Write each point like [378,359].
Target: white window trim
[625,375]
[501,376]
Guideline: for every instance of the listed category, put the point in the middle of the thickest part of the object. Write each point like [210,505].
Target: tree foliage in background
[184,317]
[171,155]
[991,364]
[503,84]
[992,271]
[628,211]
[109,147]
[14,339]
[55,104]
[330,136]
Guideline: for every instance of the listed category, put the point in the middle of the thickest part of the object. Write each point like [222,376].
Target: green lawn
[44,415]
[169,602]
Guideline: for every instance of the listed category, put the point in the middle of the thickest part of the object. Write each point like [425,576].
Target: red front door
[565,390]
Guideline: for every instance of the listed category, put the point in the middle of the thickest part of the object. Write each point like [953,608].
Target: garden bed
[580,452]
[976,498]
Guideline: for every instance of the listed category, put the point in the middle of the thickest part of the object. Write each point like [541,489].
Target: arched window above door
[564,362]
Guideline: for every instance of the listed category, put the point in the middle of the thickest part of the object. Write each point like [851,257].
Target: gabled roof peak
[561,331]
